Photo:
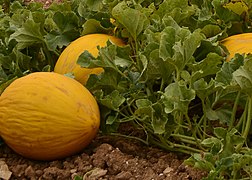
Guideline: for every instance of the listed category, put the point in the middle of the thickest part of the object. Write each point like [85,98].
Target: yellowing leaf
[237,7]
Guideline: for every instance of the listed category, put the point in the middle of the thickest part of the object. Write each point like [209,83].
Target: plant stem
[197,127]
[188,120]
[243,116]
[248,123]
[234,111]
[177,116]
[129,137]
[174,147]
[162,85]
[193,150]
[48,55]
[186,139]
[204,119]
[183,136]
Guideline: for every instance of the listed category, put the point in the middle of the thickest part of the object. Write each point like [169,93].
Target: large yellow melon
[240,43]
[47,116]
[67,61]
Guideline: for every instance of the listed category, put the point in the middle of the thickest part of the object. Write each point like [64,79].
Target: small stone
[123,175]
[39,172]
[73,171]
[96,173]
[30,173]
[4,171]
[168,170]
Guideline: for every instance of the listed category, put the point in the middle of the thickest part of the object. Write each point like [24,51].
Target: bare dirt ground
[107,158]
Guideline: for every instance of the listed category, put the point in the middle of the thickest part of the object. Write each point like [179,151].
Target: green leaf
[147,112]
[63,7]
[94,5]
[76,177]
[55,40]
[16,62]
[204,89]
[170,5]
[111,58]
[113,100]
[191,43]
[111,119]
[168,21]
[65,30]
[65,21]
[224,77]
[85,59]
[237,7]
[157,67]
[108,81]
[208,66]
[177,98]
[159,124]
[198,161]
[214,143]
[208,46]
[144,108]
[142,103]
[211,30]
[23,61]
[180,45]
[226,162]
[220,132]
[167,41]
[206,10]
[225,14]
[94,26]
[28,34]
[3,75]
[132,19]
[48,68]
[243,76]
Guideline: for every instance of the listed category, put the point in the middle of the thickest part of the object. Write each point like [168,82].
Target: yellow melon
[67,61]
[240,43]
[47,116]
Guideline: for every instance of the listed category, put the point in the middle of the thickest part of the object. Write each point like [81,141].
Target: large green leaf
[177,98]
[30,33]
[208,66]
[243,76]
[224,76]
[113,100]
[65,31]
[132,19]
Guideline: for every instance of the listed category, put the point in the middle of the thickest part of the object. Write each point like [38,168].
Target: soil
[106,158]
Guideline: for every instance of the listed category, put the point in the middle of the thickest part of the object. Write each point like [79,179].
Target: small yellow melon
[239,43]
[67,61]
